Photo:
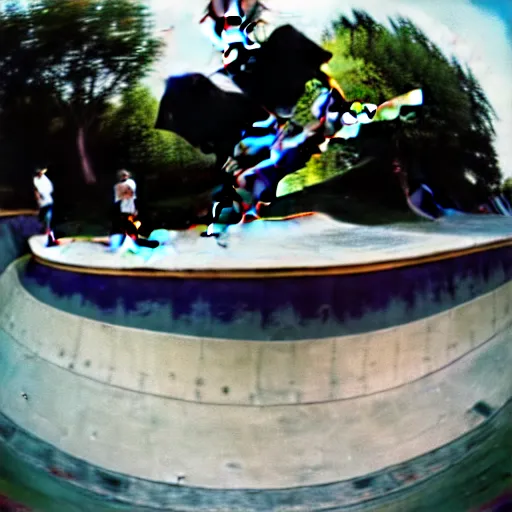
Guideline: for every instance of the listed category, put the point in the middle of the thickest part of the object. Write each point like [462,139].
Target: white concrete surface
[297,413]
[226,371]
[314,241]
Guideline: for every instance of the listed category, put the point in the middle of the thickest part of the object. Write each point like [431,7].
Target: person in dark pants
[43,191]
[125,203]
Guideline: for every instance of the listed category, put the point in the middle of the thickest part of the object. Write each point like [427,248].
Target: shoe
[51,241]
[250,216]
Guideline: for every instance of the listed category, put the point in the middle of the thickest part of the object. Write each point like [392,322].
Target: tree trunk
[85,163]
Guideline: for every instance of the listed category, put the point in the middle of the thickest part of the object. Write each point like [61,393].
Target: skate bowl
[301,365]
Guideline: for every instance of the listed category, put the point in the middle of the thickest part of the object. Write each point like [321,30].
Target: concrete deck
[313,242]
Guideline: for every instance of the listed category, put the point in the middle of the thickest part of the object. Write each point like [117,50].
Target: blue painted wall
[14,232]
[272,309]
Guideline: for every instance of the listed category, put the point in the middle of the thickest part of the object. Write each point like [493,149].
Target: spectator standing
[43,190]
[125,198]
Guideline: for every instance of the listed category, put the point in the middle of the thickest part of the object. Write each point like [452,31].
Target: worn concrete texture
[233,414]
[314,241]
[361,421]
[290,308]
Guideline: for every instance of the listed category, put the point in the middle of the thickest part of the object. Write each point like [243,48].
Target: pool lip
[314,245]
[18,213]
[276,272]
[493,232]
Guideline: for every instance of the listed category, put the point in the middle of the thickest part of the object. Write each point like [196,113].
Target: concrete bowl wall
[15,229]
[199,422]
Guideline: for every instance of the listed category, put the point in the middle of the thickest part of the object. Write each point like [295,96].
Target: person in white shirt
[43,190]
[125,196]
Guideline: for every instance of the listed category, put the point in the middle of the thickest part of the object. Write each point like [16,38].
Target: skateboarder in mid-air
[254,126]
[225,199]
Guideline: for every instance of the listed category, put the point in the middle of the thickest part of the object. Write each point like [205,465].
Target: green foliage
[91,50]
[506,189]
[131,126]
[62,62]
[318,169]
[303,115]
[128,129]
[80,54]
[450,134]
[15,29]
[86,51]
[358,79]
[311,174]
[407,60]
[335,161]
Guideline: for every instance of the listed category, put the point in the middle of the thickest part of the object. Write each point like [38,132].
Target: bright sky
[475,36]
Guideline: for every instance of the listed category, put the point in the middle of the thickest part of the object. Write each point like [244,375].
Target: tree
[506,189]
[15,30]
[451,134]
[86,52]
[170,167]
[129,127]
[454,130]
[303,115]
